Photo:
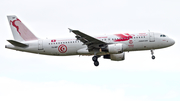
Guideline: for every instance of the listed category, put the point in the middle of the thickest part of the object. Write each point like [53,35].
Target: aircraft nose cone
[172,42]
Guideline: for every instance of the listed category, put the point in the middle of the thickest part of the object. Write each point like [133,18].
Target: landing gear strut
[152,53]
[95,59]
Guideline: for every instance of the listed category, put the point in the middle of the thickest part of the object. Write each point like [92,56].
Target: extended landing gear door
[151,37]
[40,44]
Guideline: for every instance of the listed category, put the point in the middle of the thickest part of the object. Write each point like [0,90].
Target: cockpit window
[162,35]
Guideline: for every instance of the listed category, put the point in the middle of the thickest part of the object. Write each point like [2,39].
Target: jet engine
[115,57]
[113,48]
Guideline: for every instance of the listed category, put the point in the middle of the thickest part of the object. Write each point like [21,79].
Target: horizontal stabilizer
[16,43]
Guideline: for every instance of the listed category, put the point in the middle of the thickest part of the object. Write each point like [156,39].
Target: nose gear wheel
[152,53]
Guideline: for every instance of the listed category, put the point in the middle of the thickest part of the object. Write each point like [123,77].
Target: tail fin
[19,30]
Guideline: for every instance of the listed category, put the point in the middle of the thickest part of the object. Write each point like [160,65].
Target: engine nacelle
[115,57]
[115,48]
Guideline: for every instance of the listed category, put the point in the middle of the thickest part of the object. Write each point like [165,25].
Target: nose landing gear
[152,53]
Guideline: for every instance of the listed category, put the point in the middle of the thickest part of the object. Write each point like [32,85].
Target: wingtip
[70,30]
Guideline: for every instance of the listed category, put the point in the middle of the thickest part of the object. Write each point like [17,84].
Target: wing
[90,41]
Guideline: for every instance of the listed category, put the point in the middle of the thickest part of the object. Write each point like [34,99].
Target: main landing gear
[95,59]
[152,53]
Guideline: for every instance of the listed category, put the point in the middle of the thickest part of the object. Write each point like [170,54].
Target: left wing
[90,41]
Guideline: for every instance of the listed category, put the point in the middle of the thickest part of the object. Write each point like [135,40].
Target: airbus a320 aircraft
[110,47]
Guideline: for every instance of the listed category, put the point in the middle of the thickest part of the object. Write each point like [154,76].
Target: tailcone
[9,46]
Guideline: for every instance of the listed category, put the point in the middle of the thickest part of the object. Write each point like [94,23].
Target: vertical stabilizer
[19,30]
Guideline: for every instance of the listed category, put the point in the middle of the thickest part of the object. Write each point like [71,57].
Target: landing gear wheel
[153,57]
[152,53]
[96,63]
[94,58]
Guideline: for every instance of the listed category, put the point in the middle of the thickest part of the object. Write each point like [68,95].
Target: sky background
[33,77]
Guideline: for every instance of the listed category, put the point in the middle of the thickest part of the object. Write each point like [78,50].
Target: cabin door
[151,37]
[40,44]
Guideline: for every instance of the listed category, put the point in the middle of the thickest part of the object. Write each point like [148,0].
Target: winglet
[70,30]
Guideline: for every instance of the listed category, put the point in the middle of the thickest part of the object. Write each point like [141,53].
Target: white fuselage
[63,47]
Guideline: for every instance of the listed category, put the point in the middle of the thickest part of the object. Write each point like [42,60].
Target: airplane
[111,47]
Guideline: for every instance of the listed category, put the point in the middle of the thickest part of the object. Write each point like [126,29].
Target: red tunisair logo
[23,31]
[16,26]
[62,48]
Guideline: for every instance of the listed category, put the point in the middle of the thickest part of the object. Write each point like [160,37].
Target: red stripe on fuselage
[123,37]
